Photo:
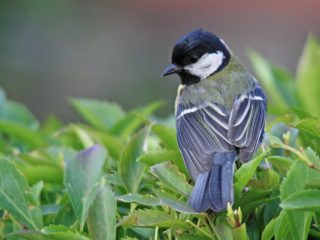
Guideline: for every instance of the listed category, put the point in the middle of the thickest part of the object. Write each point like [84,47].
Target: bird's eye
[193,59]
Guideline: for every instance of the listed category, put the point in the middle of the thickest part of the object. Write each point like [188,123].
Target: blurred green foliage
[130,181]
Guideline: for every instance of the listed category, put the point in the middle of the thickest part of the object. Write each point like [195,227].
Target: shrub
[130,181]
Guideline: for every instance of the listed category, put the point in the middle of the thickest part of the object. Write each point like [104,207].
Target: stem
[240,232]
[156,232]
[132,207]
[199,229]
[211,227]
[300,155]
[169,234]
[210,223]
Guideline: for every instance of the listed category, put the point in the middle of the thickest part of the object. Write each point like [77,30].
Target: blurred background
[116,50]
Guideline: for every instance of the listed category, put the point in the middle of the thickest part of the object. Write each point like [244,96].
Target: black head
[198,55]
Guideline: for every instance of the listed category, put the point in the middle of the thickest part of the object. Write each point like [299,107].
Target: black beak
[171,69]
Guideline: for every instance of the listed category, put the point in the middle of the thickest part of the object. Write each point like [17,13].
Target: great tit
[220,115]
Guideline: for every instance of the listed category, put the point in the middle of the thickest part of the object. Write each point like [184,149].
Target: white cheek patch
[206,65]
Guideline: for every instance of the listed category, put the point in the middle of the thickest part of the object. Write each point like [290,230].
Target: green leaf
[48,174]
[100,114]
[307,200]
[281,229]
[278,83]
[169,174]
[24,134]
[174,203]
[147,200]
[251,196]
[66,215]
[299,223]
[277,132]
[82,135]
[298,176]
[130,170]
[152,218]
[268,179]
[268,231]
[114,144]
[43,165]
[167,136]
[308,75]
[252,206]
[52,232]
[275,141]
[189,236]
[17,197]
[313,182]
[134,119]
[49,209]
[15,112]
[309,125]
[143,232]
[36,191]
[61,232]
[158,156]
[51,124]
[282,164]
[222,229]
[277,227]
[18,113]
[82,174]
[301,113]
[295,182]
[245,173]
[102,215]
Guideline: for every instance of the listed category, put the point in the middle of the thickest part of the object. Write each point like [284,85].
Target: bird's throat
[188,79]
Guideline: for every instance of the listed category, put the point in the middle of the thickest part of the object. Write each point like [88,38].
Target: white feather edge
[194,109]
[245,112]
[203,107]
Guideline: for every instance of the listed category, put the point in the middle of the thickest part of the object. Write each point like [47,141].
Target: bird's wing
[201,131]
[247,121]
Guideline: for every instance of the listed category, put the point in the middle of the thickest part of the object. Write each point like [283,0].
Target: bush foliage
[120,175]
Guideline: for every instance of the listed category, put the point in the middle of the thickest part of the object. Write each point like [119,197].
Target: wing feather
[201,132]
[247,121]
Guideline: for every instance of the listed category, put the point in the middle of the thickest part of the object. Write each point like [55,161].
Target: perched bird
[220,115]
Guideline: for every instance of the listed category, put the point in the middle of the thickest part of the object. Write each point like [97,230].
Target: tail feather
[199,199]
[214,189]
[227,183]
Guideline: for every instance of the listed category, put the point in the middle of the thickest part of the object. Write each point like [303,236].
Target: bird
[220,113]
